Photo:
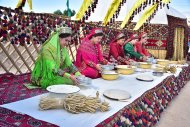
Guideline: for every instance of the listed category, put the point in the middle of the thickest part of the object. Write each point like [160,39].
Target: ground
[177,113]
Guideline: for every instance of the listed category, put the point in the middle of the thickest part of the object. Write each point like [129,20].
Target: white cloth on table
[61,117]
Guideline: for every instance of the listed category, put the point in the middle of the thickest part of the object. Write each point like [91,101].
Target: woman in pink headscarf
[139,46]
[89,56]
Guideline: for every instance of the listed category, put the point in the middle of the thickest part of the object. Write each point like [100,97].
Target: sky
[49,6]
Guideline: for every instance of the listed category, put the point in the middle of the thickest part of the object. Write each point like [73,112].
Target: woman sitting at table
[130,50]
[89,55]
[140,45]
[53,65]
[116,50]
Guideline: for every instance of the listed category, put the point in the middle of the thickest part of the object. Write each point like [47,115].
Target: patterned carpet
[12,89]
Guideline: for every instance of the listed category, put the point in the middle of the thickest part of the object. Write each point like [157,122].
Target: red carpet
[11,90]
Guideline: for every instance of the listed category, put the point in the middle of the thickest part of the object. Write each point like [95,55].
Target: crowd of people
[53,65]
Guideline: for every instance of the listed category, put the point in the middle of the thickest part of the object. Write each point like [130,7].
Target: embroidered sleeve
[129,49]
[73,69]
[91,64]
[60,72]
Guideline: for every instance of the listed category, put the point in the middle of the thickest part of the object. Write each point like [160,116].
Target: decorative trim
[173,23]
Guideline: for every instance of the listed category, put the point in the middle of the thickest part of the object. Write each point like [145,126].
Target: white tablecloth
[62,118]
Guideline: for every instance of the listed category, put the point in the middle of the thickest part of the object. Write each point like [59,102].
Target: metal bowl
[107,67]
[163,62]
[125,69]
[84,80]
[110,75]
[145,65]
[157,73]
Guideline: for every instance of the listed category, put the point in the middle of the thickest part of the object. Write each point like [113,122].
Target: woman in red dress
[140,45]
[116,50]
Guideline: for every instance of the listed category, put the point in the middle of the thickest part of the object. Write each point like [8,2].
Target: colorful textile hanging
[131,12]
[165,1]
[30,4]
[141,5]
[21,4]
[112,9]
[83,9]
[145,16]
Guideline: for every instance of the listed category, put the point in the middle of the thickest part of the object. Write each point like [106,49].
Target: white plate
[63,89]
[145,78]
[117,94]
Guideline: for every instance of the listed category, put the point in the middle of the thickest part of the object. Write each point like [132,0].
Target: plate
[66,89]
[117,94]
[146,78]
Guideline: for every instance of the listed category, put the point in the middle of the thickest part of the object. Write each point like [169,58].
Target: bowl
[110,75]
[158,69]
[125,69]
[163,62]
[85,81]
[157,73]
[107,67]
[145,65]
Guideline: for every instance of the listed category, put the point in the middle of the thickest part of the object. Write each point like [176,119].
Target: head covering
[142,34]
[120,35]
[65,30]
[132,37]
[93,32]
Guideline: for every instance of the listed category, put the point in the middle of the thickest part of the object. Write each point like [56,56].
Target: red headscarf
[118,36]
[132,37]
[142,34]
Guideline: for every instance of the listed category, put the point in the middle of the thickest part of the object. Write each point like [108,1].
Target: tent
[160,18]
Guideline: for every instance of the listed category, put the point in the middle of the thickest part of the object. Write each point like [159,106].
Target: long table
[148,100]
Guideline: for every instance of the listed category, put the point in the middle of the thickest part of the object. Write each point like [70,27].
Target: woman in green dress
[53,65]
[131,51]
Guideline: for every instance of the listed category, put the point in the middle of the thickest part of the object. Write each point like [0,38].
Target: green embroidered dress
[53,65]
[129,51]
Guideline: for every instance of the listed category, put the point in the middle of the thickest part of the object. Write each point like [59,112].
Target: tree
[72,12]
[58,12]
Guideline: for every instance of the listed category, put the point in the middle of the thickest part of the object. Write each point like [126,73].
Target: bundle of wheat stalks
[171,69]
[75,103]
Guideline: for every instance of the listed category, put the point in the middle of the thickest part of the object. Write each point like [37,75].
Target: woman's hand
[75,80]
[127,62]
[98,67]
[144,58]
